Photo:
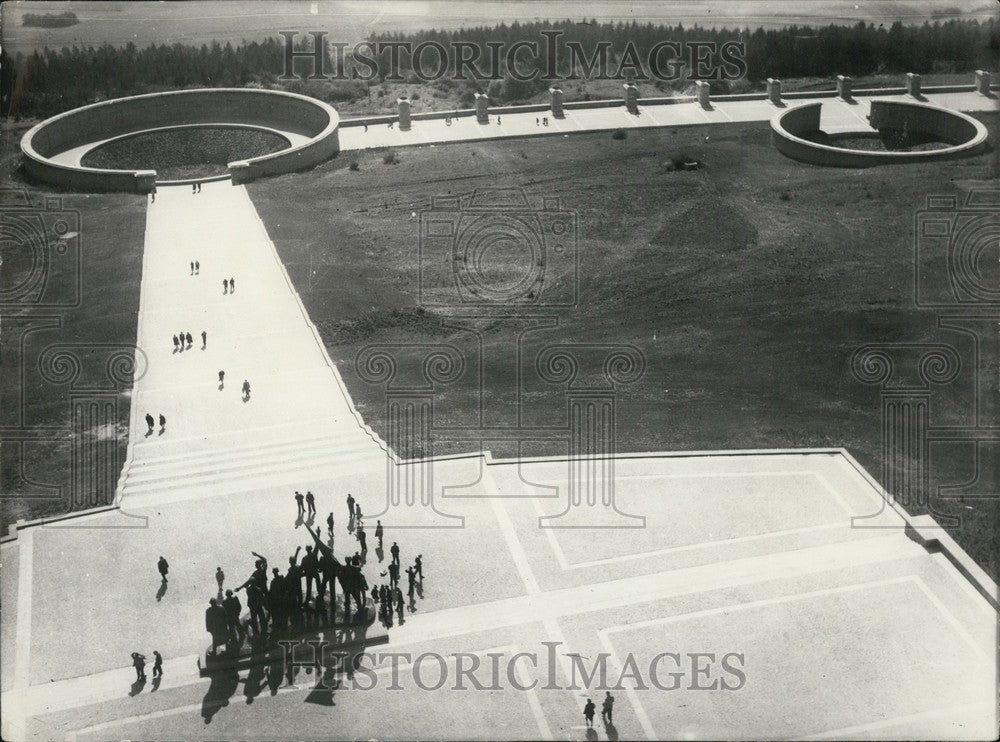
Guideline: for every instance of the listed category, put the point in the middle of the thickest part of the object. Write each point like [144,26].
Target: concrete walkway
[298,419]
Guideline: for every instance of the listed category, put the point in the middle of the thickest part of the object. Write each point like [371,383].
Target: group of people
[245,389]
[228,286]
[195,268]
[151,423]
[607,709]
[277,602]
[139,663]
[196,188]
[543,121]
[184,341]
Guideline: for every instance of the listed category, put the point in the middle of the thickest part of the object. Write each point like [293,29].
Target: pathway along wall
[284,112]
[964,134]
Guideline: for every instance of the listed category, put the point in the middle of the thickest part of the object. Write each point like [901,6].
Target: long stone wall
[964,134]
[284,112]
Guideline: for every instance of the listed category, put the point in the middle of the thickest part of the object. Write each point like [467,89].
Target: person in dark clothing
[298,502]
[310,497]
[189,339]
[588,712]
[175,343]
[163,567]
[192,267]
[157,664]
[246,389]
[379,532]
[399,602]
[216,624]
[276,599]
[197,267]
[150,422]
[255,602]
[293,580]
[411,577]
[204,340]
[418,567]
[222,377]
[310,568]
[220,577]
[363,539]
[329,524]
[225,286]
[607,707]
[395,553]
[350,507]
[163,422]
[233,608]
[139,663]
[232,286]
[393,575]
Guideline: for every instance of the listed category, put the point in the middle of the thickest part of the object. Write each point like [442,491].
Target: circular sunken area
[906,132]
[65,150]
[185,152]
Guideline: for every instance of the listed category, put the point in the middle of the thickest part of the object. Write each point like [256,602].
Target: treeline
[43,83]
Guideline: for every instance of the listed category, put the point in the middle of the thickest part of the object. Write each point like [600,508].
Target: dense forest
[44,83]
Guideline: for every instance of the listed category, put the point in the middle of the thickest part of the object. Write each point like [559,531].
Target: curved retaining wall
[271,109]
[964,134]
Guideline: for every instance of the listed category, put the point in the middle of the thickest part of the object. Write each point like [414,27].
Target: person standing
[204,340]
[393,575]
[139,663]
[418,567]
[194,188]
[175,343]
[150,422]
[222,377]
[298,502]
[378,533]
[310,497]
[225,286]
[310,568]
[246,389]
[192,267]
[190,340]
[233,608]
[157,665]
[395,553]
[411,578]
[255,602]
[350,506]
[329,524]
[588,712]
[363,538]
[607,707]
[163,567]
[163,423]
[220,577]
[232,285]
[197,267]
[216,623]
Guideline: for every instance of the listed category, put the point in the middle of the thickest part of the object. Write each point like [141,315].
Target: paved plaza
[834,617]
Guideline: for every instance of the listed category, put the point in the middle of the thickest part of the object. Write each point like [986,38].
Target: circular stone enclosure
[962,134]
[310,126]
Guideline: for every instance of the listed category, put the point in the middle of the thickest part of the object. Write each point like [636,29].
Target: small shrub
[354,166]
[618,134]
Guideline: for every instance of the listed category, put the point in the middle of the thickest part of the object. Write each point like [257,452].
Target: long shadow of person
[591,734]
[162,591]
[420,590]
[275,670]
[300,520]
[149,432]
[379,553]
[311,519]
[254,683]
[611,730]
[137,687]
[156,684]
[223,686]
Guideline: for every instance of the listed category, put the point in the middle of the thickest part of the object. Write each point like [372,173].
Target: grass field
[106,270]
[747,285]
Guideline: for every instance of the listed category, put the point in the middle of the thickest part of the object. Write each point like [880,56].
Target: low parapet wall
[964,134]
[284,112]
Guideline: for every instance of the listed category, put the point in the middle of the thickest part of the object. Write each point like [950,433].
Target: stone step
[250,441]
[220,462]
[301,475]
